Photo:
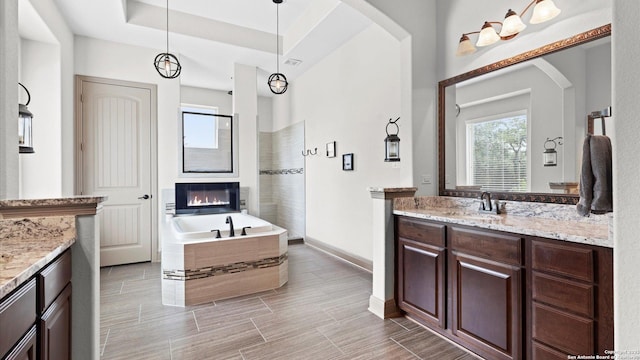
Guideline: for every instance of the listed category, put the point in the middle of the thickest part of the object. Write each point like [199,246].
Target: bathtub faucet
[230,222]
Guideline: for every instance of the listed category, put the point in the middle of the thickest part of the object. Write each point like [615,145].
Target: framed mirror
[208,143]
[497,125]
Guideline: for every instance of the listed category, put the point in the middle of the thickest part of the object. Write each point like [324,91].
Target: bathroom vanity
[49,278]
[542,289]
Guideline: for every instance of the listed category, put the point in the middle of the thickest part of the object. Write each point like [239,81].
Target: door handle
[144,197]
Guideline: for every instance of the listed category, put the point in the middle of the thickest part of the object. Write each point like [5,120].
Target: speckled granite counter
[26,245]
[51,226]
[553,221]
[74,205]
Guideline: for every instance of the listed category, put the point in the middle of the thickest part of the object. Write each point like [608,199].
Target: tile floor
[321,313]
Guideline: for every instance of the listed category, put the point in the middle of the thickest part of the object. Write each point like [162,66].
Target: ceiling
[209,36]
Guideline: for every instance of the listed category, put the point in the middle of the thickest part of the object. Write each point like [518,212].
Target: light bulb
[167,65]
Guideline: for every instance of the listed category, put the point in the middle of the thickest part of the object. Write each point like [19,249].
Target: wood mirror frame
[597,33]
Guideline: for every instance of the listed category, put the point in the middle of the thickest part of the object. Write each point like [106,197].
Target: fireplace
[207,198]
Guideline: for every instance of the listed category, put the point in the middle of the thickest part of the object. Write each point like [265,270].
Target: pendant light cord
[277,38]
[167,26]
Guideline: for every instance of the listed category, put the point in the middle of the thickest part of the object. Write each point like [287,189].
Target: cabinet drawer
[567,332]
[17,315]
[494,246]
[566,294]
[541,352]
[432,234]
[53,279]
[567,260]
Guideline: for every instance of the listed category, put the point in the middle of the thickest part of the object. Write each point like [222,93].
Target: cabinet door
[26,348]
[487,306]
[421,281]
[55,327]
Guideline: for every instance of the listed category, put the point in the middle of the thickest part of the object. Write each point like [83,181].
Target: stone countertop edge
[71,200]
[547,232]
[22,258]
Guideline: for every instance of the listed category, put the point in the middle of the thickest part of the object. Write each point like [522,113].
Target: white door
[116,162]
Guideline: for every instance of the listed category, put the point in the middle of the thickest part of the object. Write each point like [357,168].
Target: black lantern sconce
[550,155]
[25,134]
[392,143]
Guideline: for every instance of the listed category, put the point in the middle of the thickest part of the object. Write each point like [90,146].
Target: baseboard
[297,240]
[384,309]
[343,255]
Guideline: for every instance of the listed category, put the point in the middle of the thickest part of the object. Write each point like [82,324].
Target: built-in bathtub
[198,267]
[187,228]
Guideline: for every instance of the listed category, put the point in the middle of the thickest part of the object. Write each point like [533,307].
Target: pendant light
[25,135]
[277,82]
[166,63]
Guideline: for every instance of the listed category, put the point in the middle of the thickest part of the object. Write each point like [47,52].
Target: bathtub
[195,227]
[199,268]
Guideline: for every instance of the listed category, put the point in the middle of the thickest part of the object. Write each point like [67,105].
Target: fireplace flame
[195,201]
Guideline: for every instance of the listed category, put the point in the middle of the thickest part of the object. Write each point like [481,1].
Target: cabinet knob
[144,197]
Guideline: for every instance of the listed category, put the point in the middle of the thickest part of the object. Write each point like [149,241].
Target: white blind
[498,153]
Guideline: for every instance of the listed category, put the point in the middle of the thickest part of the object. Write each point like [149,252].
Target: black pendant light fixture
[166,63]
[25,135]
[278,82]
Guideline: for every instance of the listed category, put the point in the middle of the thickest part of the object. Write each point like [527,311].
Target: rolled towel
[596,185]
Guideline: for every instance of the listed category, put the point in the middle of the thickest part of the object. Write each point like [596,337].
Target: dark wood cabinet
[421,273]
[486,286]
[35,319]
[26,348]
[54,309]
[570,299]
[17,316]
[503,295]
[55,328]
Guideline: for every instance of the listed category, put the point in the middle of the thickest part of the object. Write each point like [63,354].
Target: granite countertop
[65,201]
[28,244]
[553,221]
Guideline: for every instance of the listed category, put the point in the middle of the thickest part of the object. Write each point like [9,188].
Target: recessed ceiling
[209,36]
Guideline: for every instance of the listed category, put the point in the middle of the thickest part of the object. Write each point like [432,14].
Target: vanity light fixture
[550,155]
[166,63]
[392,143]
[544,10]
[25,134]
[277,81]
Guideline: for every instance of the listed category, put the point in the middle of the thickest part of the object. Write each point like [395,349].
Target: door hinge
[81,98]
[81,146]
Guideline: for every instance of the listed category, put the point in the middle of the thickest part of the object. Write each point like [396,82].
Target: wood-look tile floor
[321,313]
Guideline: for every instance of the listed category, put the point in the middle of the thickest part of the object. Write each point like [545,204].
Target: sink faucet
[485,205]
[230,222]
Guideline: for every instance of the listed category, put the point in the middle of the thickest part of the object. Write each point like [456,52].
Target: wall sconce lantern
[550,155]
[25,135]
[392,143]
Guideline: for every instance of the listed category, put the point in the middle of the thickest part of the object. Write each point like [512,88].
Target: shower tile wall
[282,179]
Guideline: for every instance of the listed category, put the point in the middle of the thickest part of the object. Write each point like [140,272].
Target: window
[207,141]
[497,152]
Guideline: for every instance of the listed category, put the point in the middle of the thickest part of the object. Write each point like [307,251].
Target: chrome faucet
[485,199]
[230,222]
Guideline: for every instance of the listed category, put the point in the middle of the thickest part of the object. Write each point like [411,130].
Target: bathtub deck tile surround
[236,328]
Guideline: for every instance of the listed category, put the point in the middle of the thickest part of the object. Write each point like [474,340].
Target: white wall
[348,97]
[40,73]
[418,19]
[207,97]
[9,55]
[64,94]
[131,63]
[626,179]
